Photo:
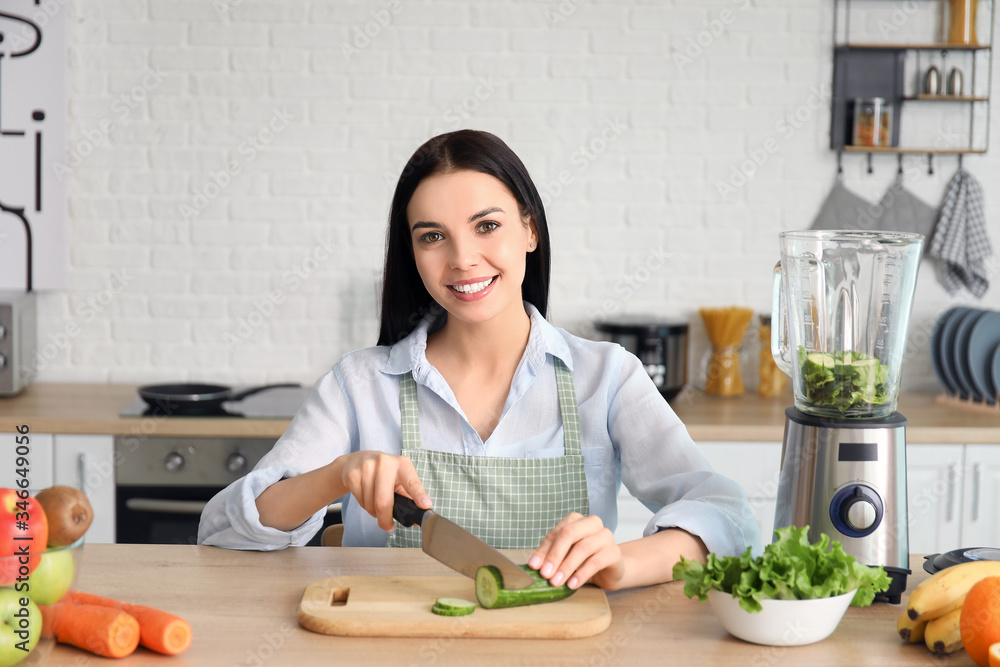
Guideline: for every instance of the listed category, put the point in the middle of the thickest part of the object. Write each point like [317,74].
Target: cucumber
[492,595]
[445,611]
[453,607]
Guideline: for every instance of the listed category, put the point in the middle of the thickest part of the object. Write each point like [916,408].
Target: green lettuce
[843,380]
[790,569]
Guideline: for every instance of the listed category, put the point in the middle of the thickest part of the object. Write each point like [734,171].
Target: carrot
[159,631]
[109,632]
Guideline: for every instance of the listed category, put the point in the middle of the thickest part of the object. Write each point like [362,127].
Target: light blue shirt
[629,434]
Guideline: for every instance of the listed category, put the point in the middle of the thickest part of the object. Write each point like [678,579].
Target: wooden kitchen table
[242,607]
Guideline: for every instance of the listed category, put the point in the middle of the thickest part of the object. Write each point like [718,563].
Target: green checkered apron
[510,503]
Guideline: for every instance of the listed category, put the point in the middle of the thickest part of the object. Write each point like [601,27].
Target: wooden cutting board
[388,606]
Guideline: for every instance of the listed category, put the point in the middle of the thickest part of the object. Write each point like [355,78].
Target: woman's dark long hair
[405,300]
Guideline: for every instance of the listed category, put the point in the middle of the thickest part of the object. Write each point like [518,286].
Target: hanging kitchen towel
[842,209]
[960,242]
[900,210]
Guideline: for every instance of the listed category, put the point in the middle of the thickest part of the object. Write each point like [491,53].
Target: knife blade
[449,543]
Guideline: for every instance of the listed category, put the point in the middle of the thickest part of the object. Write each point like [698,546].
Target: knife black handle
[406,512]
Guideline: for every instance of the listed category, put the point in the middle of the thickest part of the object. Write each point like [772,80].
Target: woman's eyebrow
[485,212]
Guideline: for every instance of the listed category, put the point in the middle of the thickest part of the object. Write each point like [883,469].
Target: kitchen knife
[449,543]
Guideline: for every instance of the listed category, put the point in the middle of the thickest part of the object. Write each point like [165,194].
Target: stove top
[277,403]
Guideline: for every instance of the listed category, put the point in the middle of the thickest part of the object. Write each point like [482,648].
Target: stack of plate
[965,352]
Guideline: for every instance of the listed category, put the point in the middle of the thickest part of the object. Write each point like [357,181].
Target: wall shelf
[944,98]
[895,150]
[942,46]
[895,72]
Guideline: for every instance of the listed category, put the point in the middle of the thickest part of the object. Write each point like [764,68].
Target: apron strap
[410,413]
[568,407]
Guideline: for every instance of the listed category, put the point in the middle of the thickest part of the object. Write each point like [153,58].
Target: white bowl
[781,622]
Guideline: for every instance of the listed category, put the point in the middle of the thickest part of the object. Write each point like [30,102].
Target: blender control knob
[173,462]
[236,462]
[861,514]
[856,510]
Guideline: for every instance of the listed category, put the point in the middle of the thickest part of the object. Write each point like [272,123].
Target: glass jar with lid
[872,122]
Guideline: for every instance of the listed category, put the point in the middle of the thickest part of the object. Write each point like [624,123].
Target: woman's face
[469,243]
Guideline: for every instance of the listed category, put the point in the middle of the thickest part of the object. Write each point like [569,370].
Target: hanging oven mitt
[900,210]
[960,242]
[843,210]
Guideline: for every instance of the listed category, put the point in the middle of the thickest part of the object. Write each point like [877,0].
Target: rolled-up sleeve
[323,429]
[664,468]
[230,519]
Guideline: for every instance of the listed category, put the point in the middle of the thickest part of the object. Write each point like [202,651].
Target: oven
[163,483]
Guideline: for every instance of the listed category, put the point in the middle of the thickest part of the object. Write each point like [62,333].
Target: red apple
[24,533]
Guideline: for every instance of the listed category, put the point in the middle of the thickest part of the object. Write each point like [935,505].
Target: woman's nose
[463,254]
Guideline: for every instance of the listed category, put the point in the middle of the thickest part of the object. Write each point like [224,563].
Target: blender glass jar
[841,307]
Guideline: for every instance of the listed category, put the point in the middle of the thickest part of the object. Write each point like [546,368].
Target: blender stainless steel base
[847,478]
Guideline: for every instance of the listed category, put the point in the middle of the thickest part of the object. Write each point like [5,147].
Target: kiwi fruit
[68,511]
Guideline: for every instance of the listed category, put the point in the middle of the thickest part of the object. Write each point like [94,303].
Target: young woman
[473,404]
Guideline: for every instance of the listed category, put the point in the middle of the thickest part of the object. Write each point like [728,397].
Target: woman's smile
[469,290]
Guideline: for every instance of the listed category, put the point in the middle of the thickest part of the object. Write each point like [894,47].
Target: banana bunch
[934,609]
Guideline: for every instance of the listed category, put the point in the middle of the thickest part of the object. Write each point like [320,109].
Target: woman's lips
[473,290]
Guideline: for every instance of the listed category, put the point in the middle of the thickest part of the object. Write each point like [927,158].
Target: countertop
[95,409]
[242,608]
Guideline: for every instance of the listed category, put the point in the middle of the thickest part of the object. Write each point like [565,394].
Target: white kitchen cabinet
[83,461]
[934,497]
[632,517]
[981,504]
[754,465]
[86,462]
[38,472]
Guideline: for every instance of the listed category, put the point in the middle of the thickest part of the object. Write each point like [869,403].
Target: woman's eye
[489,226]
[431,237]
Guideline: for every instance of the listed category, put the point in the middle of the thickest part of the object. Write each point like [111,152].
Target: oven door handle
[158,506]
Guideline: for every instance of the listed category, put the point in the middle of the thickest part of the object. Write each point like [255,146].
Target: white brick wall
[193,224]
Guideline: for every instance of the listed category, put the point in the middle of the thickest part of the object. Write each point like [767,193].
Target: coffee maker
[841,306]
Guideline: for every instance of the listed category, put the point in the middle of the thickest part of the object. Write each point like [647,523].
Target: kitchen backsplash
[231,164]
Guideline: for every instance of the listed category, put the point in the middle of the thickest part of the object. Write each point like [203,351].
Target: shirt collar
[409,355]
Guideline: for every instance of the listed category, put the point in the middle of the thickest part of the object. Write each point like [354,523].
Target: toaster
[18,341]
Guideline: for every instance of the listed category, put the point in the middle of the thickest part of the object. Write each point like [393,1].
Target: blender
[841,306]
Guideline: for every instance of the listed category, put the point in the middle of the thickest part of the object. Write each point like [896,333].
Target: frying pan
[194,398]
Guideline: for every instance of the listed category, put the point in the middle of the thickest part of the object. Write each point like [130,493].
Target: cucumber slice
[453,607]
[455,604]
[492,595]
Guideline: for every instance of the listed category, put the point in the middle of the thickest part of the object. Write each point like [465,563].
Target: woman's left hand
[580,549]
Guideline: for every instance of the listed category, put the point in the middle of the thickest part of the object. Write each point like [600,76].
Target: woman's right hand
[373,477]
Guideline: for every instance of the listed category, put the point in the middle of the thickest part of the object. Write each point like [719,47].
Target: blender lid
[937,562]
[639,325]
